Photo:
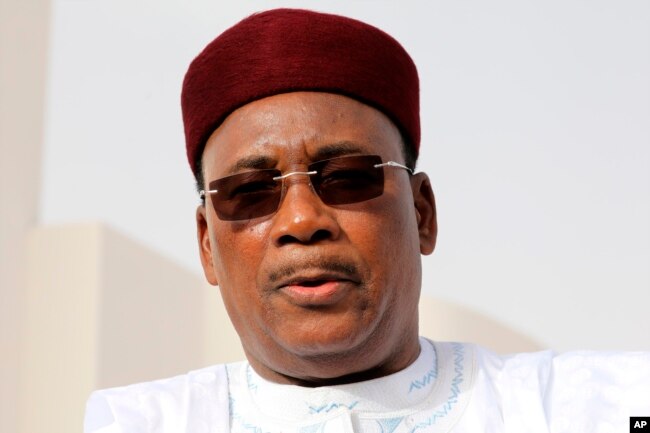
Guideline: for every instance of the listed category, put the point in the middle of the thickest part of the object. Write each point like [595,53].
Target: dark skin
[368,253]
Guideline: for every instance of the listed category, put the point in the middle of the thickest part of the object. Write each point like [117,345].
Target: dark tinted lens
[246,195]
[348,179]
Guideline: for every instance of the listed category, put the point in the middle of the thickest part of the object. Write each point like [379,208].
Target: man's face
[318,292]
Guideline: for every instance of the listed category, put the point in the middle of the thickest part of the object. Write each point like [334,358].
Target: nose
[302,217]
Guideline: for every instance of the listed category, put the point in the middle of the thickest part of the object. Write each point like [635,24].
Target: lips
[316,289]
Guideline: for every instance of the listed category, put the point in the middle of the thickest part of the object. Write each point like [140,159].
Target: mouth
[317,289]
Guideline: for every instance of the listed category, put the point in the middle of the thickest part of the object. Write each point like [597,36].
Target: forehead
[298,128]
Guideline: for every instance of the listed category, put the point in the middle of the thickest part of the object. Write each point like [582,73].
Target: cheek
[389,240]
[238,249]
[387,230]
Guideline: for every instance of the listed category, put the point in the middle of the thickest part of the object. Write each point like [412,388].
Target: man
[302,130]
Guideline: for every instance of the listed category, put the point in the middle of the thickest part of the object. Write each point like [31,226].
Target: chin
[329,341]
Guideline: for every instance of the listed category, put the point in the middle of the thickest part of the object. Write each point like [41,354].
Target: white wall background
[536,134]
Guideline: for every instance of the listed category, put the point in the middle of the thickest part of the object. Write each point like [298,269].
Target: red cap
[288,50]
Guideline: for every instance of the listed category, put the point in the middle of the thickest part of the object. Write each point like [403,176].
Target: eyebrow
[254,162]
[333,150]
[339,148]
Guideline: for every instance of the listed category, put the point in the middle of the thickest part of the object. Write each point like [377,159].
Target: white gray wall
[535,134]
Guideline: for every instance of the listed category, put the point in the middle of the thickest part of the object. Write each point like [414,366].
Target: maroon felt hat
[286,50]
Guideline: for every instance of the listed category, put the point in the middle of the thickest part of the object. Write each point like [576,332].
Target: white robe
[451,387]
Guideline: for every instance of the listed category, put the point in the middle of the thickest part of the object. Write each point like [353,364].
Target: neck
[328,369]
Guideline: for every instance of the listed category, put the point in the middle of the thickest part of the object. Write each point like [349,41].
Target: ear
[425,211]
[205,247]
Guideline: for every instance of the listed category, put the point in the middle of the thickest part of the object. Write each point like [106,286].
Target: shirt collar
[401,390]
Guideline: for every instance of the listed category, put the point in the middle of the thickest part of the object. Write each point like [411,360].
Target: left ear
[425,211]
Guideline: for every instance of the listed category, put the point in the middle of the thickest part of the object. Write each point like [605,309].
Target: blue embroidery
[459,356]
[389,425]
[234,413]
[386,425]
[328,407]
[245,425]
[249,379]
[426,379]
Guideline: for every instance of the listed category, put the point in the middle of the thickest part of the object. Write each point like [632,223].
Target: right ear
[205,246]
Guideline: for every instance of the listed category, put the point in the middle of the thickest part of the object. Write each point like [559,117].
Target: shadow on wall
[447,321]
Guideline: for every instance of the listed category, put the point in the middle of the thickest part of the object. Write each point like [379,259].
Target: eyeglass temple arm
[203,192]
[394,164]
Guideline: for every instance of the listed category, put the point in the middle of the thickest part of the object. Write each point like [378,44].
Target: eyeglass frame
[392,164]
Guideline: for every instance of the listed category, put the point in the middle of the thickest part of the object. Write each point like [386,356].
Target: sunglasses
[343,180]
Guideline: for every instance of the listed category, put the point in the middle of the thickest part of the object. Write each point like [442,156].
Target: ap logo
[640,424]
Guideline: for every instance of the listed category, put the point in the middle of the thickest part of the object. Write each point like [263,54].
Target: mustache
[325,264]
